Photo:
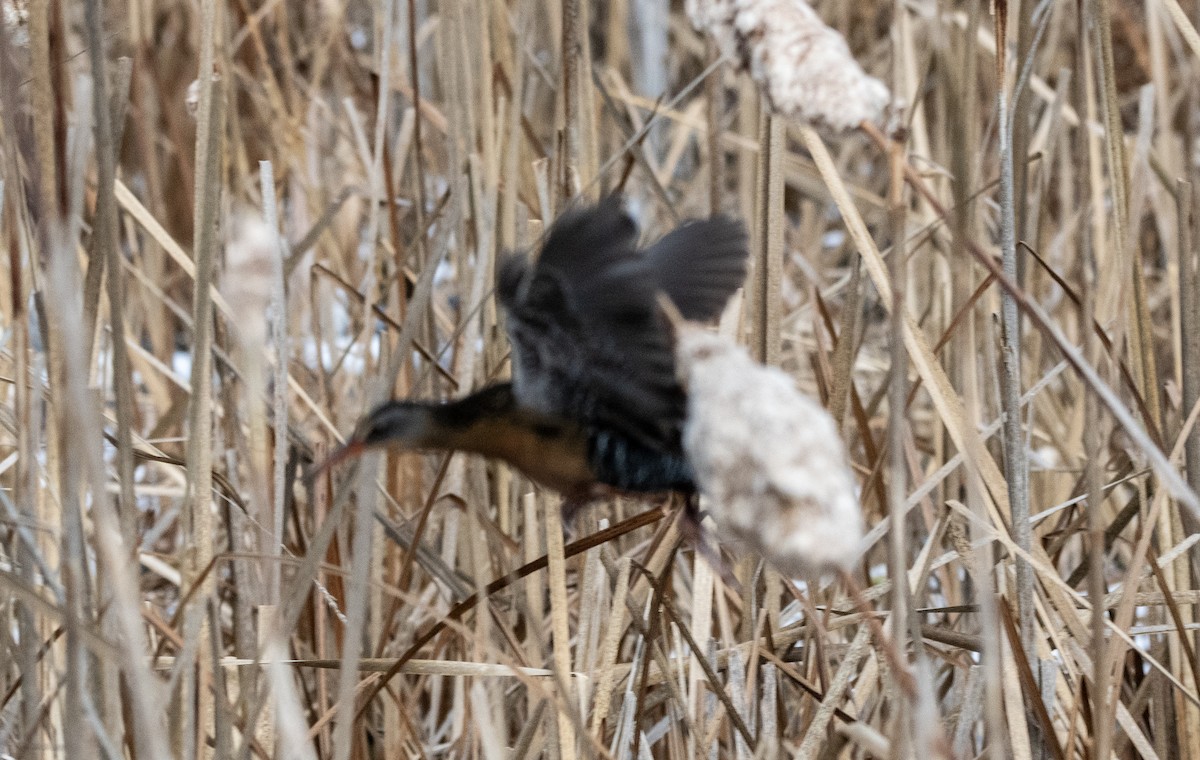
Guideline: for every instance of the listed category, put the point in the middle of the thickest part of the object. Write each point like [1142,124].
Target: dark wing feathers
[699,265]
[588,340]
[584,242]
[580,260]
[509,277]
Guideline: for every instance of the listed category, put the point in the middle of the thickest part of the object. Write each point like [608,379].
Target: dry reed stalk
[1016,461]
[279,333]
[105,255]
[848,339]
[1190,317]
[113,533]
[48,130]
[559,626]
[768,263]
[26,555]
[901,626]
[69,459]
[197,719]
[1101,739]
[982,698]
[715,91]
[1189,356]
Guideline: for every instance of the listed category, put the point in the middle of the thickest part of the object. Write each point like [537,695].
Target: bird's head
[402,424]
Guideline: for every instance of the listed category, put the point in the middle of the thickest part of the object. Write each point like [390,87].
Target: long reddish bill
[349,451]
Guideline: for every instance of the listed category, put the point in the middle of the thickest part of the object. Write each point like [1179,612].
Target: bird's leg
[694,533]
[572,505]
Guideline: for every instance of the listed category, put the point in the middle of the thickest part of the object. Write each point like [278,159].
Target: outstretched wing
[588,341]
[699,265]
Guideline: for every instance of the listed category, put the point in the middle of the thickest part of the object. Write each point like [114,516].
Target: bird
[594,406]
[581,462]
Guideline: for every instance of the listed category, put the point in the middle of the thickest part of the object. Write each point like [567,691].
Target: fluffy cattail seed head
[769,458]
[803,67]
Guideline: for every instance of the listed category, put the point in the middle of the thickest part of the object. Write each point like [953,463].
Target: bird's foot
[570,510]
[572,506]
[695,534]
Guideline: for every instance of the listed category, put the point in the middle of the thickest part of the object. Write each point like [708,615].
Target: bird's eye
[376,431]
[367,431]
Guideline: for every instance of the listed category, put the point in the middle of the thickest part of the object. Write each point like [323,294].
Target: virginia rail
[594,404]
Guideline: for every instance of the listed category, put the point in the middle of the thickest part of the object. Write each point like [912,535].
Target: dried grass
[170,585]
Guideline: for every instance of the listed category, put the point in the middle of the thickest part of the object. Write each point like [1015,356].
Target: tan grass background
[170,586]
